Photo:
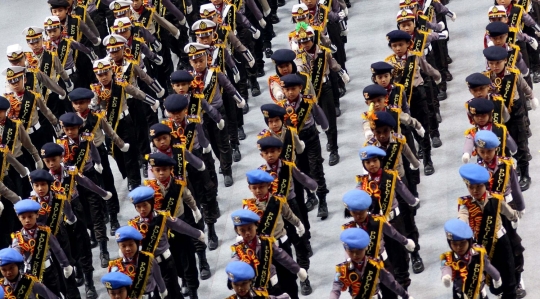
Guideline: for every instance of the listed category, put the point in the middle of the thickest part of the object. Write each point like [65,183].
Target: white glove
[302,274]
[202,237]
[189,9]
[262,22]
[58,130]
[239,239]
[537,33]
[69,84]
[345,32]
[438,81]
[279,96]
[497,283]
[202,168]
[421,131]
[452,15]
[68,271]
[1,208]
[443,26]
[443,35]
[177,35]
[26,173]
[300,147]
[71,223]
[221,124]
[164,294]
[368,134]
[207,149]
[160,94]
[447,280]
[273,280]
[520,213]
[61,97]
[341,15]
[39,164]
[410,245]
[294,46]
[416,202]
[158,60]
[534,103]
[156,104]
[236,77]
[300,230]
[108,196]
[125,148]
[466,158]
[346,11]
[345,77]
[257,34]
[515,224]
[241,104]
[197,215]
[533,43]
[490,44]
[182,22]
[98,167]
[414,168]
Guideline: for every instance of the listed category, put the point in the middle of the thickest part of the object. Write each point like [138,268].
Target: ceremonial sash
[4,150]
[506,87]
[171,201]
[23,290]
[512,36]
[382,194]
[114,104]
[396,95]
[284,179]
[370,278]
[270,215]
[194,107]
[513,55]
[218,57]
[306,78]
[151,232]
[501,132]
[127,75]
[499,179]
[31,82]
[179,155]
[421,23]
[210,84]
[222,34]
[322,12]
[229,17]
[393,153]
[28,105]
[407,80]
[80,9]
[10,134]
[515,16]
[136,50]
[420,38]
[92,123]
[318,71]
[47,67]
[73,25]
[144,268]
[375,230]
[63,50]
[498,102]
[287,154]
[473,282]
[263,268]
[68,182]
[39,255]
[54,211]
[487,234]
[304,110]
[395,112]
[146,17]
[77,154]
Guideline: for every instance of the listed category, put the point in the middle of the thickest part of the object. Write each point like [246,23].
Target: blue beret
[51,149]
[356,200]
[176,103]
[159,129]
[1,293]
[239,271]
[282,56]
[127,232]
[370,151]
[269,142]
[496,29]
[70,119]
[480,106]
[258,176]
[181,76]
[273,110]
[41,175]
[374,91]
[243,217]
[291,80]
[354,238]
[160,159]
[80,93]
[477,79]
[486,139]
[474,174]
[10,256]
[381,67]
[26,205]
[384,119]
[495,53]
[115,280]
[4,103]
[398,35]
[457,230]
[141,194]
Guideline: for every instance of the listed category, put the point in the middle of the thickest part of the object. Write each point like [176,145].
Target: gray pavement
[368,25]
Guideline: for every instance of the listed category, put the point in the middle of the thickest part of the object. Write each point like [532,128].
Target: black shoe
[90,289]
[245,109]
[184,290]
[420,154]
[428,168]
[520,292]
[268,52]
[255,88]
[417,264]
[536,77]
[228,180]
[131,187]
[524,183]
[438,117]
[103,253]
[342,91]
[436,142]
[213,241]
[442,96]
[236,155]
[312,201]
[449,60]
[281,3]
[114,226]
[204,267]
[334,158]
[274,18]
[338,112]
[260,72]
[93,241]
[273,32]
[323,209]
[145,170]
[79,276]
[305,287]
[449,76]
[309,249]
[192,293]
[328,147]
[241,134]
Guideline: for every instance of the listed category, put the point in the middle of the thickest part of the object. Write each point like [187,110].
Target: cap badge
[495,9]
[372,70]
[152,162]
[108,285]
[206,12]
[449,236]
[117,236]
[472,110]
[467,182]
[265,113]
[404,13]
[302,34]
[117,5]
[10,72]
[407,2]
[152,132]
[192,49]
[364,154]
[481,143]
[42,152]
[31,31]
[100,65]
[366,95]
[203,26]
[231,276]
[49,21]
[112,40]
[237,219]
[300,10]
[120,24]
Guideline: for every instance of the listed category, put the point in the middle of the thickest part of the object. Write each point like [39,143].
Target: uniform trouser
[231,126]
[409,224]
[298,242]
[334,32]
[433,105]
[503,261]
[8,220]
[420,111]
[311,160]
[79,239]
[19,185]
[138,116]
[245,73]
[68,286]
[517,129]
[94,207]
[459,295]
[38,138]
[131,157]
[287,280]
[51,279]
[337,83]
[205,191]
[398,255]
[534,59]
[303,212]
[210,165]
[517,247]
[258,45]
[107,181]
[385,291]
[326,101]
[220,142]
[189,219]
[183,252]
[170,277]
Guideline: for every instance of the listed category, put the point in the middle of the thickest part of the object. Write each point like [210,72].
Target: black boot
[114,223]
[93,241]
[323,209]
[79,276]
[241,133]
[213,240]
[236,155]
[268,52]
[204,267]
[89,287]
[525,179]
[536,77]
[145,169]
[103,253]
[305,287]
[255,88]
[417,264]
[312,201]
[428,164]
[193,293]
[334,158]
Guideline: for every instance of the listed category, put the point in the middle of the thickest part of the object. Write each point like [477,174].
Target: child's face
[487,154]
[401,47]
[60,12]
[137,4]
[104,78]
[178,117]
[181,87]
[292,92]
[128,248]
[372,165]
[143,208]
[480,91]
[41,188]
[275,124]
[382,134]
[306,45]
[504,3]
[205,40]
[259,190]
[356,255]
[71,132]
[117,55]
[80,106]
[481,119]
[54,33]
[10,271]
[271,155]
[359,216]
[285,68]
[460,247]
[503,19]
[242,288]
[18,86]
[28,219]
[500,40]
[247,231]
[310,3]
[125,34]
[37,46]
[53,163]
[162,173]
[3,114]
[121,293]
[407,26]
[199,64]
[379,103]
[383,79]
[162,142]
[477,190]
[217,2]
[497,66]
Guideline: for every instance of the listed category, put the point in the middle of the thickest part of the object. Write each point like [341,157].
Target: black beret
[160,159]
[381,67]
[273,110]
[282,56]
[384,119]
[291,80]
[4,103]
[159,129]
[495,53]
[480,106]
[79,94]
[70,119]
[497,28]
[374,91]
[58,3]
[181,76]
[269,142]
[398,35]
[477,79]
[176,102]
[41,175]
[51,149]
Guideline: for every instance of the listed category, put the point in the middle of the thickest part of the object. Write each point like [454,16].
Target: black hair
[294,68]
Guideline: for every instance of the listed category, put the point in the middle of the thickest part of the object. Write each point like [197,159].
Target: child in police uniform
[241,276]
[117,285]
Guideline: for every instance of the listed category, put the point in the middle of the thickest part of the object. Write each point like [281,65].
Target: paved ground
[369,22]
